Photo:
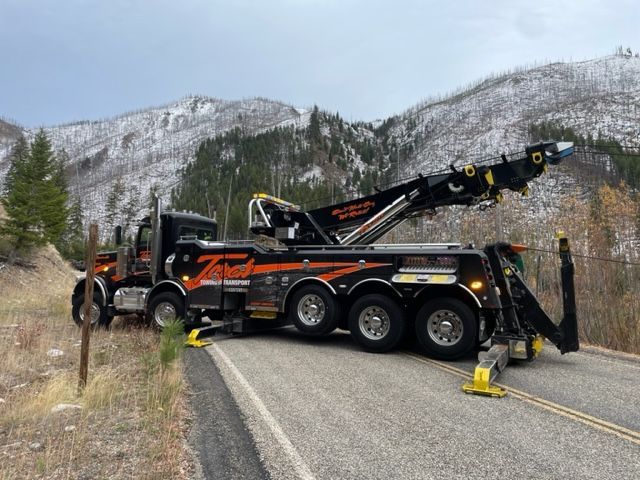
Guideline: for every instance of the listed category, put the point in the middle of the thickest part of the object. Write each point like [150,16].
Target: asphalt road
[324,409]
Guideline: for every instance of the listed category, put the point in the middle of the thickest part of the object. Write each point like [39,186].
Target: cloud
[367,59]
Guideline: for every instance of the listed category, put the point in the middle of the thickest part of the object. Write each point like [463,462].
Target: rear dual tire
[446,328]
[377,323]
[314,310]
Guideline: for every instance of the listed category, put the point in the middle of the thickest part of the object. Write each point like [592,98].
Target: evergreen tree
[131,209]
[18,200]
[36,195]
[19,154]
[53,199]
[314,126]
[71,244]
[113,204]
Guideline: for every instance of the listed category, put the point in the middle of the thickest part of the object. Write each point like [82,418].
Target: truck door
[265,291]
[238,267]
[220,278]
[201,271]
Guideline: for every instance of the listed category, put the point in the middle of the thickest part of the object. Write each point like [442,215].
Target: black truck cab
[125,277]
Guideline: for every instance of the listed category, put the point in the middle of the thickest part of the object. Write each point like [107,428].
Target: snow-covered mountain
[146,148]
[594,97]
[9,133]
[598,97]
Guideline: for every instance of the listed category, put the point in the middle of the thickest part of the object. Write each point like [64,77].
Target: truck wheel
[377,323]
[446,328]
[99,317]
[314,311]
[164,308]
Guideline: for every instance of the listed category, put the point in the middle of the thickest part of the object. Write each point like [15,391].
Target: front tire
[446,328]
[99,316]
[314,311]
[377,323]
[164,308]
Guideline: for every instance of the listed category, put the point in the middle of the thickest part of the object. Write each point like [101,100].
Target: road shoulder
[222,445]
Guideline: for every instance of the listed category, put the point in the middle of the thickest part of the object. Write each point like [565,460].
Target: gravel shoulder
[218,438]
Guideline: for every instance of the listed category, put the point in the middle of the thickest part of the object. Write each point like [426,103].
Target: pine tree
[113,204]
[52,198]
[36,195]
[19,154]
[18,200]
[314,126]
[131,209]
[71,244]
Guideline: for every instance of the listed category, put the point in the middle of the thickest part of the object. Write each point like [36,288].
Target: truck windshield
[199,233]
[145,236]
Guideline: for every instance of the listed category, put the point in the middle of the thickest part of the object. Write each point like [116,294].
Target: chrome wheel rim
[164,313]
[374,322]
[94,313]
[445,328]
[311,309]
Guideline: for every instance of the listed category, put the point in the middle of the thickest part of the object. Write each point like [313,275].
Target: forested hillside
[322,163]
[330,160]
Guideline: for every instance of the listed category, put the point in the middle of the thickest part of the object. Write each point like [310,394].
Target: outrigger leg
[523,325]
[491,364]
[236,324]
[195,335]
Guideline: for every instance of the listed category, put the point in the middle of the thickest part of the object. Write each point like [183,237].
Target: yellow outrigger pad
[491,364]
[481,384]
[192,340]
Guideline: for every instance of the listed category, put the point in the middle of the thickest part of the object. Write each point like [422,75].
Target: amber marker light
[476,285]
[185,278]
[105,269]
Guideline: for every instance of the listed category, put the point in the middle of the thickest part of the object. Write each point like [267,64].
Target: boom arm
[366,219]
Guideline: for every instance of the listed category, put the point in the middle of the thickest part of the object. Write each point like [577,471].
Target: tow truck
[322,269]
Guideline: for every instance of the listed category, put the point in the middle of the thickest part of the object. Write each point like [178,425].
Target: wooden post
[90,262]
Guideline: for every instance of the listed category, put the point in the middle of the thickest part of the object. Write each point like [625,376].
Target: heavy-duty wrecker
[321,270]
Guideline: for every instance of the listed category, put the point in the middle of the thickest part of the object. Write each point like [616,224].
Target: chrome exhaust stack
[156,239]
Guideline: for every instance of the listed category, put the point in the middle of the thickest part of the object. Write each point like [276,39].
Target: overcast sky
[67,60]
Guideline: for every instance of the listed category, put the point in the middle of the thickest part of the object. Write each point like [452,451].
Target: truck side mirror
[118,235]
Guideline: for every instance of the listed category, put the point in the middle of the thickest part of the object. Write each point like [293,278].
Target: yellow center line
[602,358]
[618,430]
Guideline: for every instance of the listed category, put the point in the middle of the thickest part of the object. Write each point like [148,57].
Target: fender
[99,281]
[467,290]
[473,295]
[161,286]
[306,279]
[374,280]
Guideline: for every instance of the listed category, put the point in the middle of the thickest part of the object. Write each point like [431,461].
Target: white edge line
[302,470]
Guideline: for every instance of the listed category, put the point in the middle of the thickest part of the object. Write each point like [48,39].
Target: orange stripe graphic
[344,271]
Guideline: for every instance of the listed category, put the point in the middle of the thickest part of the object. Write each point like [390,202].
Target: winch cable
[588,257]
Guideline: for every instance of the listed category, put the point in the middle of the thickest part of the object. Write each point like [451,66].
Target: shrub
[171,342]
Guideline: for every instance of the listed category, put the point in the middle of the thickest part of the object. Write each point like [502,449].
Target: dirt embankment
[130,420]
[41,275]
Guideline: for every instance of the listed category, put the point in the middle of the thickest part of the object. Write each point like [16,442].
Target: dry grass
[132,419]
